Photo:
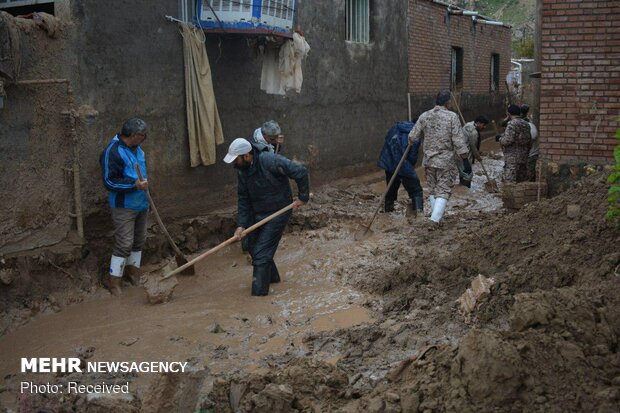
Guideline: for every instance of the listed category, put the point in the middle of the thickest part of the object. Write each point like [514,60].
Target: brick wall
[580,79]
[432,34]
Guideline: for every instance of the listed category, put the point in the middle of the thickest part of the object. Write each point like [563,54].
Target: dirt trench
[370,325]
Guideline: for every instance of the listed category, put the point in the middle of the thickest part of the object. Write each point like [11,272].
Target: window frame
[357,21]
[456,68]
[7,4]
[494,72]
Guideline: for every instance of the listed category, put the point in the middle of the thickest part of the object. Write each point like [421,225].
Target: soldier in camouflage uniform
[516,143]
[471,133]
[441,131]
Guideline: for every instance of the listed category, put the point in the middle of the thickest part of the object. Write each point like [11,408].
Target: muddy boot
[132,271]
[418,203]
[260,279]
[132,275]
[411,212]
[115,285]
[388,206]
[275,274]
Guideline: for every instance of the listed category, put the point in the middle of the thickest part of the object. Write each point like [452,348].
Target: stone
[6,277]
[573,211]
[108,403]
[159,290]
[480,287]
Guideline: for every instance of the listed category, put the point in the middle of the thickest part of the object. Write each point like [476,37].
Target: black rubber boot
[389,206]
[419,204]
[275,274]
[260,279]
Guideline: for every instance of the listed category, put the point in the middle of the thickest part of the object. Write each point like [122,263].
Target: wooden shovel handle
[400,164]
[157,217]
[229,241]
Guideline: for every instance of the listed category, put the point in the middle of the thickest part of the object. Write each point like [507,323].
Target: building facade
[580,80]
[461,52]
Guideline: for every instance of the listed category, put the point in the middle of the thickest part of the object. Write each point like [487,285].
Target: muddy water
[309,299]
[254,327]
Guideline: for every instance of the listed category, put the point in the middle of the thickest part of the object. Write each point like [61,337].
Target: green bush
[523,48]
[613,213]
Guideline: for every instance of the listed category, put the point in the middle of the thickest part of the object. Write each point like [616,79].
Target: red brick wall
[431,39]
[580,80]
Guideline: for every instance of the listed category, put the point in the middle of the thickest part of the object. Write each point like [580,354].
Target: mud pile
[545,339]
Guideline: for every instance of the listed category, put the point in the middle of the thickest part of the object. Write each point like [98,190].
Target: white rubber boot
[117,264]
[134,259]
[431,200]
[132,268]
[438,209]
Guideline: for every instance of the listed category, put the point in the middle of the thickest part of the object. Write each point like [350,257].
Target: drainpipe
[71,115]
[487,22]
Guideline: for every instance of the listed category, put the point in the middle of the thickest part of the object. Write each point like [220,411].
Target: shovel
[228,241]
[178,255]
[363,230]
[490,185]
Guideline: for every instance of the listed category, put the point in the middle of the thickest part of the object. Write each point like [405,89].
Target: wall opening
[494,72]
[456,72]
[24,7]
[358,20]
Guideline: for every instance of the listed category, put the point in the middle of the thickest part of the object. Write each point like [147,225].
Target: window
[456,72]
[494,72]
[358,20]
[20,7]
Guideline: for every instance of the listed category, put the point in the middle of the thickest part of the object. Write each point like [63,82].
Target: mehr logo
[51,365]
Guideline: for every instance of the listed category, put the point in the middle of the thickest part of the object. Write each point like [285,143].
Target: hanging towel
[291,55]
[282,68]
[270,80]
[204,128]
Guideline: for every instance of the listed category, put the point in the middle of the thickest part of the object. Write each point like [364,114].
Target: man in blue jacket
[396,142]
[264,188]
[127,199]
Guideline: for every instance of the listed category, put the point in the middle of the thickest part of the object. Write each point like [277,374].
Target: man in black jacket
[264,188]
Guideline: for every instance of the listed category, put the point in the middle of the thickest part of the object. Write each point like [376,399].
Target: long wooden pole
[228,241]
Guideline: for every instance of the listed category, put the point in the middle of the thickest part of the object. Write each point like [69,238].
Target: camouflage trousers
[515,172]
[440,181]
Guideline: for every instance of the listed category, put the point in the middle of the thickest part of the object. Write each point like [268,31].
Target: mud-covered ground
[360,326]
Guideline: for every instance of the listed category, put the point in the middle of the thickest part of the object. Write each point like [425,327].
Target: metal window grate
[18,3]
[358,20]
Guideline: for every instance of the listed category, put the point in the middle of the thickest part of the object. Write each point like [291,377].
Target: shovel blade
[491,186]
[362,232]
[181,260]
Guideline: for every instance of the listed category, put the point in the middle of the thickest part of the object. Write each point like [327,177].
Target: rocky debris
[480,287]
[108,403]
[84,352]
[130,341]
[179,392]
[7,276]
[573,211]
[159,290]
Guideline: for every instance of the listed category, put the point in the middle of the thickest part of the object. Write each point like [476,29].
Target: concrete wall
[125,60]
[580,80]
[432,34]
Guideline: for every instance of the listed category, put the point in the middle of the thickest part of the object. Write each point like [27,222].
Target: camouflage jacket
[472,138]
[516,141]
[441,131]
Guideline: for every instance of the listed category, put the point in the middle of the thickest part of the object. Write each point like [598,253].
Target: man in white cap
[264,188]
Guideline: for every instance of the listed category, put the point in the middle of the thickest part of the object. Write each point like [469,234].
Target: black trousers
[412,186]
